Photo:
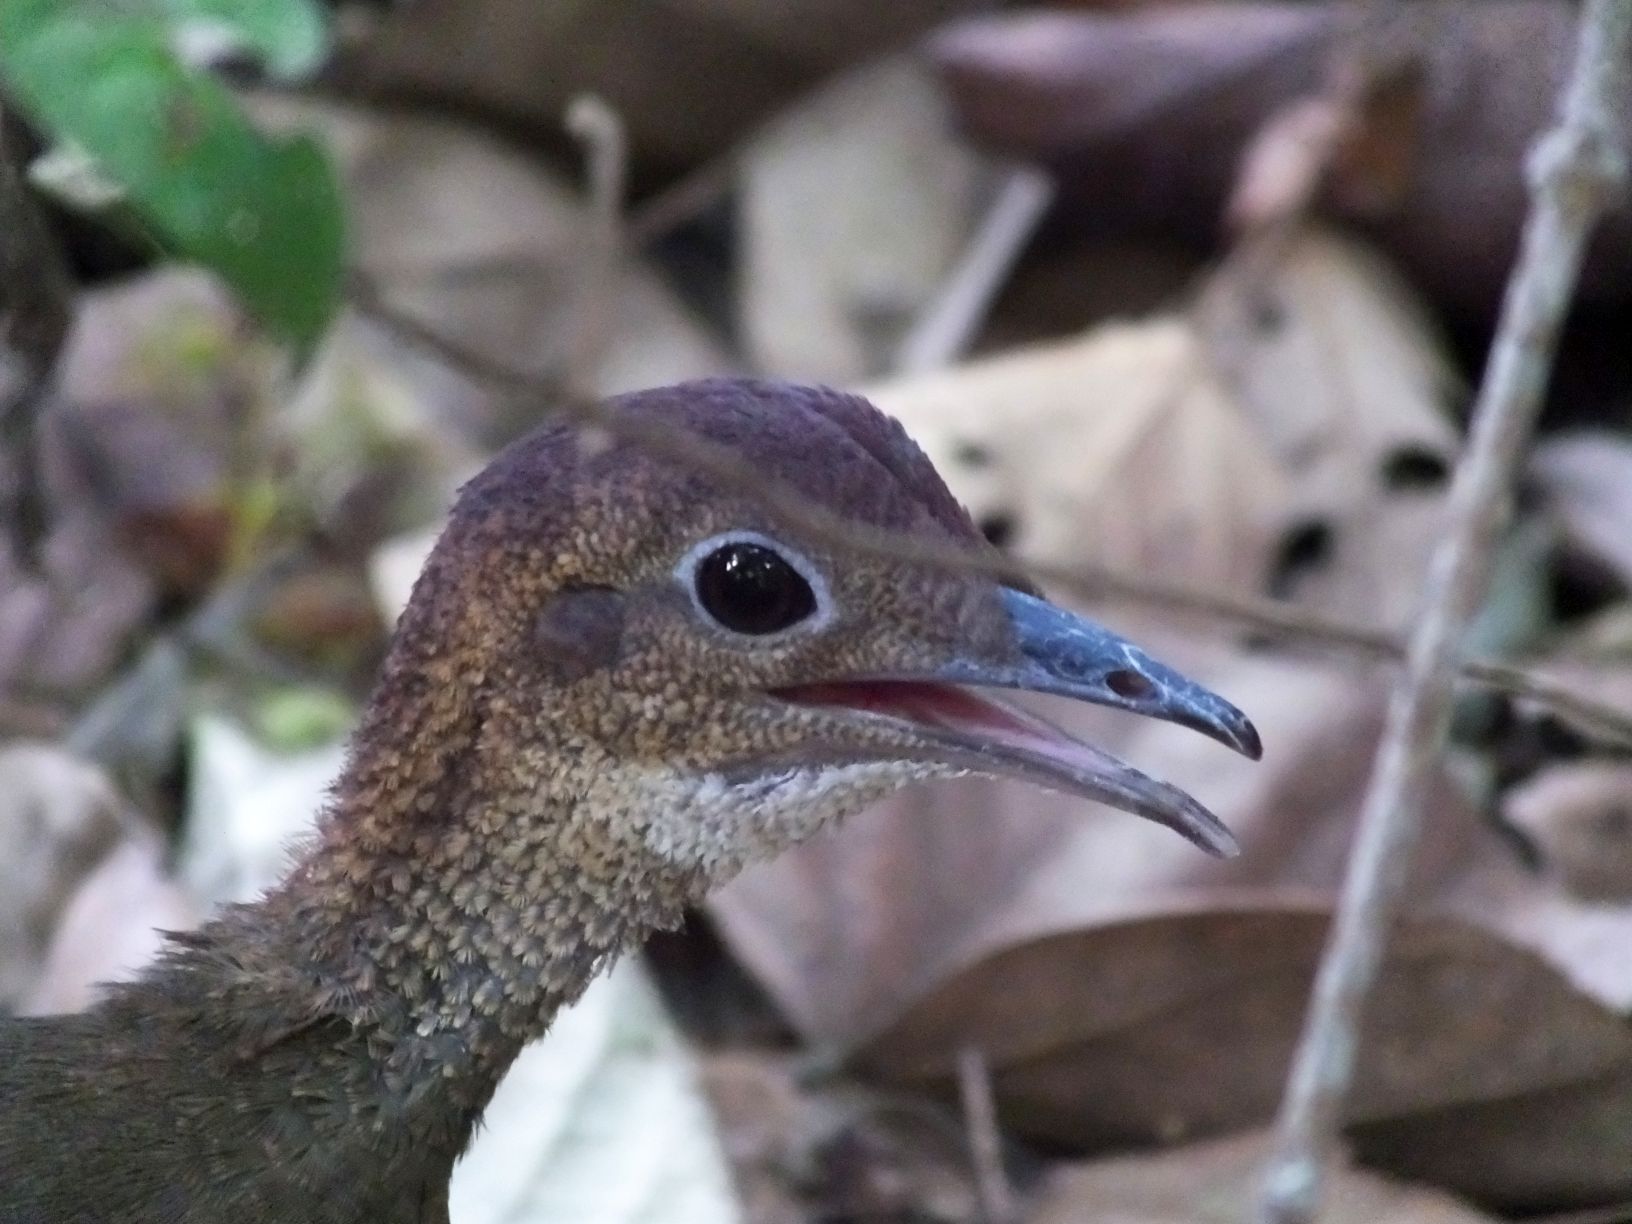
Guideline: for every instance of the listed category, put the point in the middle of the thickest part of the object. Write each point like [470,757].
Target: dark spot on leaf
[998,528]
[1306,546]
[1412,467]
[1615,822]
[1580,585]
[972,454]
[184,125]
[1268,315]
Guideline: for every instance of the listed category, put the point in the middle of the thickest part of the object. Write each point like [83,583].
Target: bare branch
[1576,172]
[985,1143]
[606,152]
[944,332]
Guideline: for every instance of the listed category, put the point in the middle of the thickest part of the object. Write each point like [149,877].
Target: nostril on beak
[1128,684]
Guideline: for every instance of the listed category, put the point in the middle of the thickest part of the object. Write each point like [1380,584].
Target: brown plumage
[614,684]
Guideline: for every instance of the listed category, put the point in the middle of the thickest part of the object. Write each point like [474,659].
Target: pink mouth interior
[945,707]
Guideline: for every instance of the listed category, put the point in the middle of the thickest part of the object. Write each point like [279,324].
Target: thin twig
[598,129]
[34,315]
[683,200]
[1088,582]
[1576,172]
[945,330]
[985,1144]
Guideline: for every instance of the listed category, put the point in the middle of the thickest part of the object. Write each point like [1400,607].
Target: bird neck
[453,918]
[459,892]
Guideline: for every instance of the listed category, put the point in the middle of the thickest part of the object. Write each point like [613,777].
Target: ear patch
[578,631]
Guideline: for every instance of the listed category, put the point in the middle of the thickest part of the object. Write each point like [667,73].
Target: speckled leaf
[264,213]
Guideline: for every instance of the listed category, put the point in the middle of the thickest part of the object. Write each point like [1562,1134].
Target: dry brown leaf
[689,77]
[111,927]
[762,1119]
[1117,449]
[1217,1183]
[490,249]
[833,1149]
[1181,1024]
[827,292]
[1144,118]
[1559,1148]
[1046,83]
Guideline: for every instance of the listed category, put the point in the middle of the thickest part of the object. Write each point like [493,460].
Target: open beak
[1067,655]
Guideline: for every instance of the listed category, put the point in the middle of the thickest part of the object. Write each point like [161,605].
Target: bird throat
[456,949]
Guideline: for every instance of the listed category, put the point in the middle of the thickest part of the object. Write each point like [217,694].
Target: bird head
[612,625]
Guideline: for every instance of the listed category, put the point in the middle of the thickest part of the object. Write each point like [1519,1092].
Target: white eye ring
[685,573]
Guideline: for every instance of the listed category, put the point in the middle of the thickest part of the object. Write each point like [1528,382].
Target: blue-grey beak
[1071,656]
[1049,650]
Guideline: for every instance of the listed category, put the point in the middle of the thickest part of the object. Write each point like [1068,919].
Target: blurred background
[1187,301]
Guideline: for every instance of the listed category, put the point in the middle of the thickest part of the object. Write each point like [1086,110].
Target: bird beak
[1055,652]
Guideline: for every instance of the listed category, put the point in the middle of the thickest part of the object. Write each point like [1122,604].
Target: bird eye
[750,588]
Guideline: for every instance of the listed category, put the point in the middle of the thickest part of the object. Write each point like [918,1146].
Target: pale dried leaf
[1363,565]
[826,291]
[1218,1182]
[247,806]
[394,567]
[112,926]
[602,1120]
[59,819]
[1284,164]
[1333,359]
[1118,448]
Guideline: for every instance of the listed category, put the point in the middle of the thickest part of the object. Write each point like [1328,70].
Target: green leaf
[288,36]
[264,213]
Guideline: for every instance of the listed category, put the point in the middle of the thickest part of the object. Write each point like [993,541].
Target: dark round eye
[749,588]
